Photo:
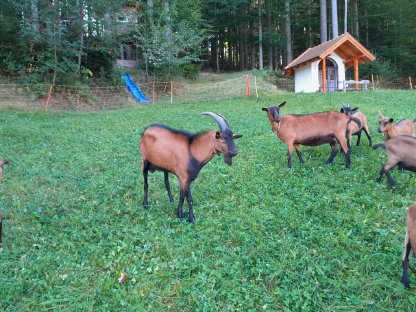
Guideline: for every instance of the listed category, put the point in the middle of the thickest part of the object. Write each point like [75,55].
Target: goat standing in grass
[310,130]
[409,242]
[401,151]
[359,124]
[390,130]
[184,154]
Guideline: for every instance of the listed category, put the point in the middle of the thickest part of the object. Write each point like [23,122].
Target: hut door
[331,75]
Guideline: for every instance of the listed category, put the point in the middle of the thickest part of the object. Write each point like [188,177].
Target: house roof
[345,46]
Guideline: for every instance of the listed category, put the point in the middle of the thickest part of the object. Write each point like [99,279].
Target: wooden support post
[324,75]
[356,73]
[255,85]
[372,81]
[410,83]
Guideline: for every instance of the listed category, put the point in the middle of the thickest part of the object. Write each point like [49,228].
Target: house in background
[322,68]
[125,21]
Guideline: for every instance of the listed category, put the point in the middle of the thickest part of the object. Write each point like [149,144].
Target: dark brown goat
[310,130]
[390,130]
[184,154]
[2,163]
[409,242]
[360,124]
[401,151]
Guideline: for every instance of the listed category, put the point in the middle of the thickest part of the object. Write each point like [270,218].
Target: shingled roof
[345,46]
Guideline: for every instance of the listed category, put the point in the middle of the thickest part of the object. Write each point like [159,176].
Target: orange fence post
[49,97]
[248,85]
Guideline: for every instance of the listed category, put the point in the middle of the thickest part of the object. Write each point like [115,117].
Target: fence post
[171,91]
[153,93]
[255,86]
[410,83]
[372,81]
[49,97]
[248,85]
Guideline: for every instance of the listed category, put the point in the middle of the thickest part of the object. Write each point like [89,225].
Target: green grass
[315,238]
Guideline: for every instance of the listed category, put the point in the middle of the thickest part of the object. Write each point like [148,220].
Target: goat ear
[354,109]
[391,120]
[237,136]
[217,135]
[265,109]
[282,104]
[342,109]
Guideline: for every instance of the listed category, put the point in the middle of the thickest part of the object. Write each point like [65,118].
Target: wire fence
[75,98]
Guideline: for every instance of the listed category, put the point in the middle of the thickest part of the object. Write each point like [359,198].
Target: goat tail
[3,162]
[374,146]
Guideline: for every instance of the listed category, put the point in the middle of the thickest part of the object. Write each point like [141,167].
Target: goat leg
[191,210]
[390,180]
[299,153]
[168,186]
[405,264]
[180,206]
[380,174]
[146,165]
[368,136]
[289,155]
[358,138]
[334,152]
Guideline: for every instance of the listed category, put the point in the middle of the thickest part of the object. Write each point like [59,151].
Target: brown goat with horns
[359,124]
[390,130]
[401,152]
[184,154]
[310,130]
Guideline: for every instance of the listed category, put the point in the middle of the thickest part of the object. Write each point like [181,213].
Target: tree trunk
[309,29]
[150,13]
[245,48]
[345,16]
[167,17]
[356,26]
[270,41]
[324,31]
[288,33]
[334,18]
[241,49]
[260,38]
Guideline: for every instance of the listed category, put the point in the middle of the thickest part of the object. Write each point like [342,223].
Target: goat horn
[380,114]
[221,121]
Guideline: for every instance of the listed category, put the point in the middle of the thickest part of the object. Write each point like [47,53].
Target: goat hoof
[191,219]
[145,206]
[180,216]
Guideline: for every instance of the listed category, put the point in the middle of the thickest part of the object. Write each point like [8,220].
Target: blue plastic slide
[134,90]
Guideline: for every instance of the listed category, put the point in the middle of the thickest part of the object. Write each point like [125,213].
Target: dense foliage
[315,238]
[71,41]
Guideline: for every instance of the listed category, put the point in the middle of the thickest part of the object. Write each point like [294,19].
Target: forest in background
[72,41]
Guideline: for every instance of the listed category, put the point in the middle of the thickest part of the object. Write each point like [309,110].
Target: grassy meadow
[314,238]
